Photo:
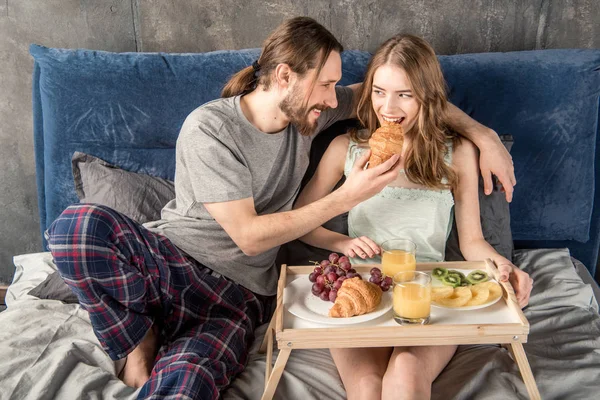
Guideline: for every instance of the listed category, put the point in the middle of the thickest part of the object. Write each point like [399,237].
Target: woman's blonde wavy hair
[424,160]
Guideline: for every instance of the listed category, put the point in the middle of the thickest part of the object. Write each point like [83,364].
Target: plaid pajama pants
[129,278]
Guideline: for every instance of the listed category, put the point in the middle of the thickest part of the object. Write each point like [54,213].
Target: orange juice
[412,301]
[394,261]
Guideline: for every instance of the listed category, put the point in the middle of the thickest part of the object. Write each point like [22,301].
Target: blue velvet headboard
[127,108]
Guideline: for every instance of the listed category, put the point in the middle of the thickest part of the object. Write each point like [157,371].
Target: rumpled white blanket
[48,349]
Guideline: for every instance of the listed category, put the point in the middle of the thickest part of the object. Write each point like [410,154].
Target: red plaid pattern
[129,278]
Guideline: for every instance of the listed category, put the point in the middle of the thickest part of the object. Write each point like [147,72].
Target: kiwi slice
[460,275]
[477,276]
[451,280]
[458,278]
[439,272]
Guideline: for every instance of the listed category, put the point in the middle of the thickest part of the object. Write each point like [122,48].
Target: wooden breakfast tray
[505,325]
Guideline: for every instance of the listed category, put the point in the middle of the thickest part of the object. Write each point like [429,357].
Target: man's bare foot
[140,361]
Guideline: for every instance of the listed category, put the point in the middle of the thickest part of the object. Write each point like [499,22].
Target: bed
[105,126]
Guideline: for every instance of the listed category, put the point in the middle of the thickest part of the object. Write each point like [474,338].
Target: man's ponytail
[242,82]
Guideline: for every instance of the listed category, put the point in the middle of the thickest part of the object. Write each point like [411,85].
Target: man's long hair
[301,43]
[424,162]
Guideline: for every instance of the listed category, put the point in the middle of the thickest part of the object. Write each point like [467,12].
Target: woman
[404,85]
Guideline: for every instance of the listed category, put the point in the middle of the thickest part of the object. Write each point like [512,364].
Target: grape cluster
[383,281]
[328,276]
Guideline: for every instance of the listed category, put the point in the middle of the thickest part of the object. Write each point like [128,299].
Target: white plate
[299,300]
[436,282]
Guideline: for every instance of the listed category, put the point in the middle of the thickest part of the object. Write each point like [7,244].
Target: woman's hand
[361,247]
[495,159]
[520,281]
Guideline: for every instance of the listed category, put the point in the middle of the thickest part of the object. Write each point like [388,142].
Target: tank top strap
[355,150]
[450,149]
[448,156]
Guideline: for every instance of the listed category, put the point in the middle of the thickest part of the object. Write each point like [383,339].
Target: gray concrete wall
[452,26]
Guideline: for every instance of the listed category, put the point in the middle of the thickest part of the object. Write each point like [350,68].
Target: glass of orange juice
[412,297]
[398,255]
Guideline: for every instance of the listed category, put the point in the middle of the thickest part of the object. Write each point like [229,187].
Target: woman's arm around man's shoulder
[472,243]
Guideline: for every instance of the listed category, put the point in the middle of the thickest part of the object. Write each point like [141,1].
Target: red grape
[321,279]
[332,295]
[351,270]
[324,263]
[375,279]
[332,277]
[388,280]
[317,288]
[375,271]
[318,270]
[333,258]
[345,265]
[312,277]
[328,269]
[337,284]
[352,275]
[343,259]
[384,286]
[340,272]
[324,295]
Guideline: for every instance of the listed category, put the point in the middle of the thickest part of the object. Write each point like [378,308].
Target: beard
[298,114]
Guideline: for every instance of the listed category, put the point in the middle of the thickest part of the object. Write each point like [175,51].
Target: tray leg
[520,358]
[271,327]
[273,380]
[269,361]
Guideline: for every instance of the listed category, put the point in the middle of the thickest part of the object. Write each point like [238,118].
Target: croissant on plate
[385,142]
[355,297]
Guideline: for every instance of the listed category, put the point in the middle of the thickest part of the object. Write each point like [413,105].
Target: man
[181,297]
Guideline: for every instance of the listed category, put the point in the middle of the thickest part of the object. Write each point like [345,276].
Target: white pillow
[30,270]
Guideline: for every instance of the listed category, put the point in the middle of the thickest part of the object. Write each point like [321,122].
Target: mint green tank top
[403,209]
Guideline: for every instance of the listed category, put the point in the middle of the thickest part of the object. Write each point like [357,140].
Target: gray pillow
[495,224]
[141,197]
[54,288]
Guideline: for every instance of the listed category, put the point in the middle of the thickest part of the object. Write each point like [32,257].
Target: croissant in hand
[385,142]
[355,297]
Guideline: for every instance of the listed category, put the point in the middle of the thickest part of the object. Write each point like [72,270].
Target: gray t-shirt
[222,157]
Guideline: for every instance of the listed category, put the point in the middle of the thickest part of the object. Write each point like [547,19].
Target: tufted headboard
[127,108]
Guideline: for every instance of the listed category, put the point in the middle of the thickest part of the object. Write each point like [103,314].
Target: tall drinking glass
[412,297]
[398,255]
